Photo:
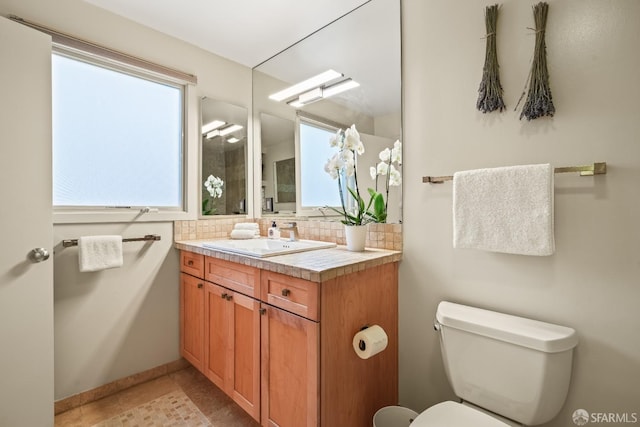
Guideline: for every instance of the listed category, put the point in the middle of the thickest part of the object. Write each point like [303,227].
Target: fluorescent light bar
[305,85]
[295,103]
[230,129]
[312,95]
[232,140]
[212,126]
[213,134]
[339,87]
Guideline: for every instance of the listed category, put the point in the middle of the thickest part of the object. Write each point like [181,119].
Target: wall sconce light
[322,92]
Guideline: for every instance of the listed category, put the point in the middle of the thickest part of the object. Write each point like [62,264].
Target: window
[118,136]
[317,188]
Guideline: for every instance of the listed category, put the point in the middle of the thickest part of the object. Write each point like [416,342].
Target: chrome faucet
[292,227]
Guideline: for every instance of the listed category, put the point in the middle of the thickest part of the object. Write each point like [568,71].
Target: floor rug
[173,409]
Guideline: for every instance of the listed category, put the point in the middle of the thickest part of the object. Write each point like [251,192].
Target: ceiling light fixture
[212,126]
[232,140]
[305,85]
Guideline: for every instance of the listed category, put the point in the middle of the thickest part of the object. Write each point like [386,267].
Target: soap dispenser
[273,232]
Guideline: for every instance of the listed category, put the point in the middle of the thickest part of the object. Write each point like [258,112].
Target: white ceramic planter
[356,236]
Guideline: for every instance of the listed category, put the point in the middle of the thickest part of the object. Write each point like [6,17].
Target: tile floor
[219,409]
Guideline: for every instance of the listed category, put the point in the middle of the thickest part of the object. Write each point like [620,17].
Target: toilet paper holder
[362,345]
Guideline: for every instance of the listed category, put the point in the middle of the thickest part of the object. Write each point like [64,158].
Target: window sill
[128,215]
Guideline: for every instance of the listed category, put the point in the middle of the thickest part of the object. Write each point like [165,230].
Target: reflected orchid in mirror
[214,185]
[389,158]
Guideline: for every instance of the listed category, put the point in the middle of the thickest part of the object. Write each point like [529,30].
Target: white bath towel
[508,209]
[246,226]
[99,252]
[244,234]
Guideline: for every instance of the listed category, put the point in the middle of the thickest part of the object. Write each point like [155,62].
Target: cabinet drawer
[298,296]
[192,263]
[238,277]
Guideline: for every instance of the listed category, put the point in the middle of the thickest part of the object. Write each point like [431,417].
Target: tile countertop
[317,265]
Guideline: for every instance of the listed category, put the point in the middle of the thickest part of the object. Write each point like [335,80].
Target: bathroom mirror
[362,47]
[224,158]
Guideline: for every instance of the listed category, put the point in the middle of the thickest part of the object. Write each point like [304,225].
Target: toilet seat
[452,414]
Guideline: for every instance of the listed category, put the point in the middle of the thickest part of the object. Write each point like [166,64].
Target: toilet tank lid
[534,334]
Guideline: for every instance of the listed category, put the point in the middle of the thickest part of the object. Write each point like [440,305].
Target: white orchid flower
[395,179]
[335,141]
[349,167]
[373,172]
[334,165]
[352,139]
[385,155]
[396,152]
[383,168]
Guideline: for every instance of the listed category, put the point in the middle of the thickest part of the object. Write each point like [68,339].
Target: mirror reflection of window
[317,188]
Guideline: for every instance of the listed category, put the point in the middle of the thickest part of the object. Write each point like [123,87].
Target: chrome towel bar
[149,237]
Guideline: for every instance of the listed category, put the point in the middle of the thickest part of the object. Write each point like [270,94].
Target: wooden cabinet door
[244,376]
[289,369]
[218,350]
[192,320]
[232,345]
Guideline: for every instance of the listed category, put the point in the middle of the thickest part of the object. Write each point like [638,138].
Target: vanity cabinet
[281,346]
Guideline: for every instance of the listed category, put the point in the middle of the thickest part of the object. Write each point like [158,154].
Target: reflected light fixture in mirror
[323,85]
[212,126]
[305,85]
[363,45]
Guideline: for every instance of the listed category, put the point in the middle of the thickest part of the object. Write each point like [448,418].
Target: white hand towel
[508,209]
[99,252]
[246,226]
[244,234]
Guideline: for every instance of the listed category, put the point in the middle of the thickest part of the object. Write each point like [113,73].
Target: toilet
[507,370]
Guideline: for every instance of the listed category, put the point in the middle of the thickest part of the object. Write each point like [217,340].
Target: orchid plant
[214,185]
[342,166]
[389,158]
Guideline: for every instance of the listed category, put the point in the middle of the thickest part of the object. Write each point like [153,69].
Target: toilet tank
[513,366]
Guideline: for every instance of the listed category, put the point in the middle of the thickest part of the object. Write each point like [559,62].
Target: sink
[266,247]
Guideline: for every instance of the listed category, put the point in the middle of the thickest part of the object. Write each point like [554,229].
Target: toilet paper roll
[370,341]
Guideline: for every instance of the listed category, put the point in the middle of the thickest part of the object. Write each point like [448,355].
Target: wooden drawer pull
[190,262]
[286,292]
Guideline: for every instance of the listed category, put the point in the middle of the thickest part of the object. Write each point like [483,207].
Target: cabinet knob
[224,296]
[190,262]
[200,285]
[229,297]
[286,292]
[263,311]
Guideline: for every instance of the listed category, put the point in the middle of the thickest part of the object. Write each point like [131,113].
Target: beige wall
[119,322]
[592,281]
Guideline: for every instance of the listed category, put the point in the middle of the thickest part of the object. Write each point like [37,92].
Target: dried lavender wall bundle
[539,101]
[490,91]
